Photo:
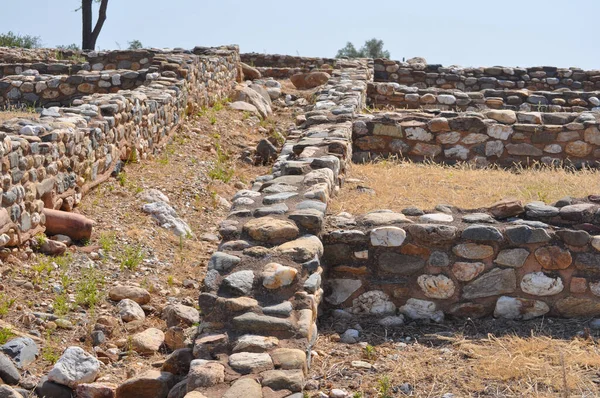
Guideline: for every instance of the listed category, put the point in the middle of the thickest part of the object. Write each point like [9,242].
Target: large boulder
[74,367]
[249,72]
[304,81]
[246,94]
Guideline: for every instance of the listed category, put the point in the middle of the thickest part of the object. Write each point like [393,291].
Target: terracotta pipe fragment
[73,225]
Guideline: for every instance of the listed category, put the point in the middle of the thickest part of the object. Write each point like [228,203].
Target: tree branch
[100,21]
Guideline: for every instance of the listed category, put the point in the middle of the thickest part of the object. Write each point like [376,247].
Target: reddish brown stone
[553,257]
[427,150]
[370,143]
[506,208]
[415,250]
[578,285]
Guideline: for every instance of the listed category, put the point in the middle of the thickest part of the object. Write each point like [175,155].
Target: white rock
[361,365]
[129,311]
[595,242]
[499,131]
[418,134]
[539,284]
[421,309]
[153,195]
[374,302]
[337,393]
[75,366]
[436,218]
[446,99]
[387,236]
[436,286]
[517,308]
[276,275]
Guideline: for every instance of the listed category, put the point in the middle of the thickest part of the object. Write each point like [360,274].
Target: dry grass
[398,185]
[507,366]
[11,114]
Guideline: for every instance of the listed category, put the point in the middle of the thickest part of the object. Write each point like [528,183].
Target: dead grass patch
[7,115]
[398,185]
[507,366]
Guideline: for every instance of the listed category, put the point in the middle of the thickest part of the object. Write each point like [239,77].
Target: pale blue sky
[463,32]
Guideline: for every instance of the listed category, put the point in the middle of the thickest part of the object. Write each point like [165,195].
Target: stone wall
[382,95]
[284,66]
[546,78]
[100,76]
[15,61]
[500,137]
[508,260]
[262,290]
[51,162]
[51,90]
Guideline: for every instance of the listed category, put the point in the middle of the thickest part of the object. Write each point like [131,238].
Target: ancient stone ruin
[283,260]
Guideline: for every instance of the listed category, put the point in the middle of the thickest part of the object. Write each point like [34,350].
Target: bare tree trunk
[90,36]
[86,15]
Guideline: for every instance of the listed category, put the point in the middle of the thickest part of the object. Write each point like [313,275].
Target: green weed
[122,179]
[221,169]
[369,352]
[88,289]
[384,387]
[50,351]
[131,258]
[61,304]
[5,335]
[5,304]
[107,241]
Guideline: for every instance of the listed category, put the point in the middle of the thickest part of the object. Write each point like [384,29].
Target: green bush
[11,39]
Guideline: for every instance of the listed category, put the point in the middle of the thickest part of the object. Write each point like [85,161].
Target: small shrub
[384,387]
[41,269]
[63,261]
[221,170]
[65,280]
[41,239]
[11,39]
[61,304]
[88,289]
[107,241]
[369,352]
[135,45]
[122,178]
[50,353]
[212,119]
[5,335]
[5,304]
[131,258]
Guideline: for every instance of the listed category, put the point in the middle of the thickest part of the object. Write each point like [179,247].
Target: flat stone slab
[250,362]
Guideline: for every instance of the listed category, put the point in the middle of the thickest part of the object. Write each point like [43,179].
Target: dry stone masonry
[509,260]
[283,260]
[263,288]
[51,162]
